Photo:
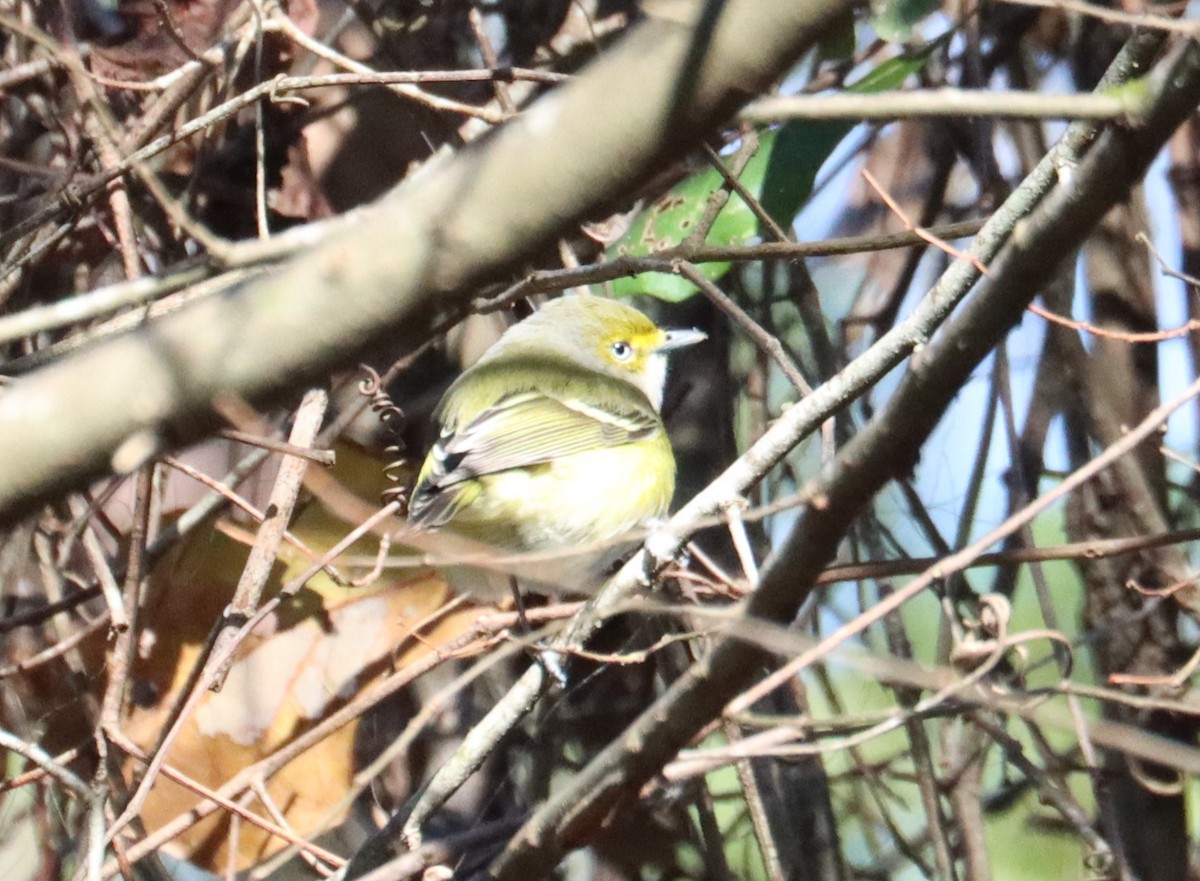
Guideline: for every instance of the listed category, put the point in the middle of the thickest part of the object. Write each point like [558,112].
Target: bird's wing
[517,432]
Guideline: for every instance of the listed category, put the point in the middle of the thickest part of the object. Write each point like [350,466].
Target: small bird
[552,442]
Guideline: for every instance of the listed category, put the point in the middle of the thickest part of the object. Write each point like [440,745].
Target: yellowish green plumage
[552,442]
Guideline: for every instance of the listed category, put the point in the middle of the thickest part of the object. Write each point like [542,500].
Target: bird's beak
[677,339]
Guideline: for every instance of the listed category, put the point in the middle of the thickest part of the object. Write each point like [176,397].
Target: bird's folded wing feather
[518,432]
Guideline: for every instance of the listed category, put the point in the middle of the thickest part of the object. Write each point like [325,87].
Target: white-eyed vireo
[552,442]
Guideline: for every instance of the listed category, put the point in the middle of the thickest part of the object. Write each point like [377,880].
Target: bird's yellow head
[601,335]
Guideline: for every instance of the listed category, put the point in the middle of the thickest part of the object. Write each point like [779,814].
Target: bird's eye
[621,350]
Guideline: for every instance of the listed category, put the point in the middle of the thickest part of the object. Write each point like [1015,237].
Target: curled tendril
[381,403]
[394,472]
[392,417]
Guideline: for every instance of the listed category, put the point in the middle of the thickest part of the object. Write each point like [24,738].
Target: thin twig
[391,78]
[926,235]
[282,502]
[1149,336]
[731,180]
[1164,266]
[488,51]
[769,343]
[109,588]
[46,762]
[121,652]
[319,457]
[58,649]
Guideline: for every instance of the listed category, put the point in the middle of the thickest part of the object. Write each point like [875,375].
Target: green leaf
[892,73]
[780,176]
[666,223]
